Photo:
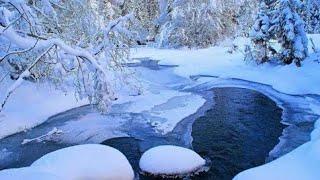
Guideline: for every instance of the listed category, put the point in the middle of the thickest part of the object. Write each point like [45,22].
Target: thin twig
[19,52]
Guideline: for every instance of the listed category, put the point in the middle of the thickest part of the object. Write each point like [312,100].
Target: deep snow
[31,105]
[89,161]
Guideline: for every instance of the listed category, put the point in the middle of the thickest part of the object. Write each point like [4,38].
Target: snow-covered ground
[215,61]
[31,105]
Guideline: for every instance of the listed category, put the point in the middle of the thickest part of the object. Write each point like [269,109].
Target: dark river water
[235,134]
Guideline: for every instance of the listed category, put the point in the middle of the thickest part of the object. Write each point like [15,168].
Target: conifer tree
[260,35]
[288,27]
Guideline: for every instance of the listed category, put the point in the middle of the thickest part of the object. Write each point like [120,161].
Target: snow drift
[89,161]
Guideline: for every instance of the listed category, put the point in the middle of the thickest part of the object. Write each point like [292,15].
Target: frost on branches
[291,34]
[200,23]
[260,34]
[68,43]
[280,21]
[311,15]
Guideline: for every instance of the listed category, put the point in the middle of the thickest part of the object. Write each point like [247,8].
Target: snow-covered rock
[91,161]
[170,160]
[26,174]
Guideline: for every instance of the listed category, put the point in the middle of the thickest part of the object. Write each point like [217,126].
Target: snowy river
[238,127]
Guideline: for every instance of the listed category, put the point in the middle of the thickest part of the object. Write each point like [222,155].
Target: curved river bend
[234,130]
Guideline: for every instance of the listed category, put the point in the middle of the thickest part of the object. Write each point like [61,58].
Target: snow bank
[31,105]
[170,160]
[301,163]
[26,174]
[90,161]
[216,61]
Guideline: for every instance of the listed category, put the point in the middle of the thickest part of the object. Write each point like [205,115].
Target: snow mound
[91,161]
[26,174]
[301,163]
[170,160]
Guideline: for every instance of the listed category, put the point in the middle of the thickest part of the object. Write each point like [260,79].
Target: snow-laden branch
[106,31]
[27,42]
[25,74]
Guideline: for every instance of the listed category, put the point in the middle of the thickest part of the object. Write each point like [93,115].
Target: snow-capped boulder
[170,160]
[26,174]
[91,161]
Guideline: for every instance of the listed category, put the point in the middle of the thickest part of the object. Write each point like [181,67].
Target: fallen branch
[48,136]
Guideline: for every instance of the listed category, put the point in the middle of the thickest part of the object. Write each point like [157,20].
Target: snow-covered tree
[68,43]
[311,15]
[237,15]
[260,34]
[201,23]
[289,29]
[146,11]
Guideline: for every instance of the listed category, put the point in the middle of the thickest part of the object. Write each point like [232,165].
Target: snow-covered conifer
[260,34]
[311,15]
[289,29]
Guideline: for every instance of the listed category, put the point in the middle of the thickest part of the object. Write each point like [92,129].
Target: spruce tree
[260,35]
[311,14]
[289,30]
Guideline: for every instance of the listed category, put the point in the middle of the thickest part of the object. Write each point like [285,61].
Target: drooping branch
[38,44]
[25,74]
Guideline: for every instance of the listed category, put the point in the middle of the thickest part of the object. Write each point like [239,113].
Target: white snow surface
[301,163]
[170,160]
[26,174]
[90,161]
[215,61]
[31,105]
